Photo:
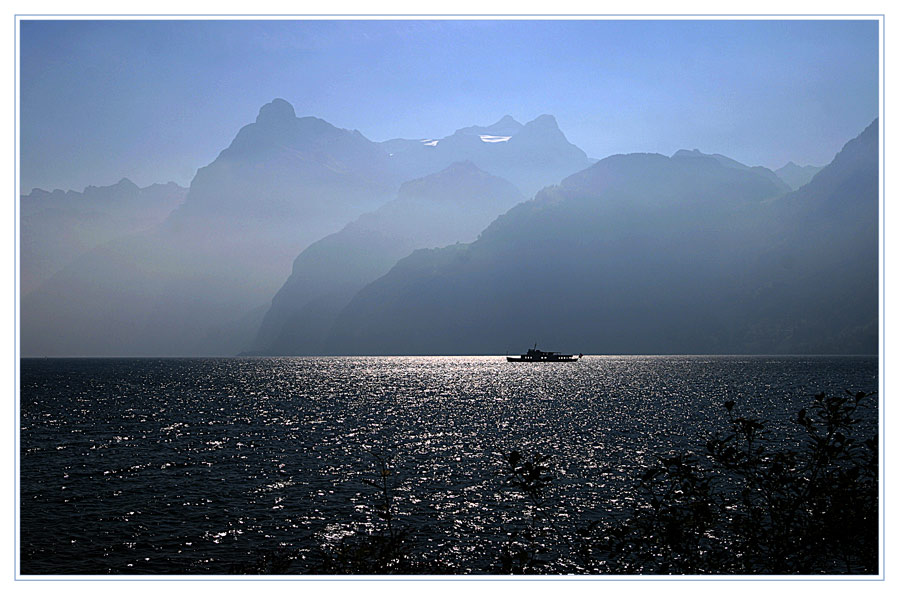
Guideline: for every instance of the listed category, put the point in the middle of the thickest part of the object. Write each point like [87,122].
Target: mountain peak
[462,166]
[697,154]
[545,121]
[795,175]
[688,153]
[125,183]
[455,171]
[505,126]
[278,111]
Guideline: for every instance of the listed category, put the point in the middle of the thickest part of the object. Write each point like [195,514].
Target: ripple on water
[197,465]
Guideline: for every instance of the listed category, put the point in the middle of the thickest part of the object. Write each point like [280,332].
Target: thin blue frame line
[461,578]
[451,15]
[18,409]
[883,174]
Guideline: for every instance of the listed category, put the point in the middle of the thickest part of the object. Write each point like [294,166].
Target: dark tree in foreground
[754,506]
[384,549]
[524,551]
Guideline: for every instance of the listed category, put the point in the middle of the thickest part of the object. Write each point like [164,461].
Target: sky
[154,100]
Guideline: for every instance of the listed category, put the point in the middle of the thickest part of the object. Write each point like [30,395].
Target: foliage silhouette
[384,549]
[524,552]
[757,499]
[753,506]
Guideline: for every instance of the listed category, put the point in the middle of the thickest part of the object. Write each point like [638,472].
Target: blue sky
[155,100]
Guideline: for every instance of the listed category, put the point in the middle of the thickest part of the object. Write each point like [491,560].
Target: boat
[535,355]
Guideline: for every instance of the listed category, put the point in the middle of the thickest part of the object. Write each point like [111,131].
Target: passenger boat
[535,355]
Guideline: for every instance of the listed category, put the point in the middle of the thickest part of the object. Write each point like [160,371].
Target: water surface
[203,465]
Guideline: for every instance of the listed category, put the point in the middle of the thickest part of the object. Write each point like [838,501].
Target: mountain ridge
[598,265]
[197,282]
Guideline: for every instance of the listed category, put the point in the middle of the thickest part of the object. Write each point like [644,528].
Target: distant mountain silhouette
[506,126]
[57,227]
[633,254]
[199,282]
[283,183]
[453,205]
[797,176]
[534,155]
[284,170]
[647,254]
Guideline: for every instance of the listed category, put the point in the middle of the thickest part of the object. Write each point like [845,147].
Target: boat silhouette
[536,355]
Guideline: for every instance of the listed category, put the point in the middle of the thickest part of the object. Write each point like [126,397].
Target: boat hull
[555,359]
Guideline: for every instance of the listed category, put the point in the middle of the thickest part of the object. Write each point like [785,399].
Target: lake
[184,466]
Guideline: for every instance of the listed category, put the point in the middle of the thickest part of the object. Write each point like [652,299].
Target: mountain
[728,162]
[283,183]
[197,282]
[797,176]
[453,205]
[191,285]
[647,254]
[279,166]
[635,253]
[506,126]
[531,156]
[821,265]
[57,227]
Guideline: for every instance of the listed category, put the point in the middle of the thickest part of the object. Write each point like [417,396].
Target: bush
[385,549]
[753,505]
[524,552]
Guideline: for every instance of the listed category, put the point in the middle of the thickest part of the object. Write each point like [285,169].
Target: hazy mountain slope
[450,206]
[57,227]
[820,289]
[645,254]
[728,162]
[283,183]
[194,284]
